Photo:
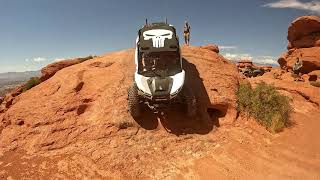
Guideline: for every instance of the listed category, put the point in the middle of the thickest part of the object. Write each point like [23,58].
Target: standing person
[186,33]
[297,68]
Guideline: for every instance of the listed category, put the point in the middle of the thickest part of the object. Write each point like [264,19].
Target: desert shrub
[315,83]
[31,83]
[81,60]
[265,104]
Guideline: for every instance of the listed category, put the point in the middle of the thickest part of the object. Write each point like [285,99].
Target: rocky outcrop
[244,64]
[304,38]
[47,72]
[304,32]
[249,64]
[309,56]
[211,47]
[53,68]
[82,110]
[286,83]
[88,101]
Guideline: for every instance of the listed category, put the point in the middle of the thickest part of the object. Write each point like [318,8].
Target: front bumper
[149,97]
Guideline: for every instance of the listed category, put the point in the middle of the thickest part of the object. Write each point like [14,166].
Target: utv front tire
[133,101]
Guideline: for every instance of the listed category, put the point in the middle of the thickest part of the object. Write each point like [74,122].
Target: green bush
[265,104]
[315,83]
[31,83]
[81,60]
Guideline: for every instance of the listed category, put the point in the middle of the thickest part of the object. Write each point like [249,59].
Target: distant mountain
[256,63]
[19,75]
[10,77]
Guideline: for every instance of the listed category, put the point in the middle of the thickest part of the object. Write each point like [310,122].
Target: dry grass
[265,104]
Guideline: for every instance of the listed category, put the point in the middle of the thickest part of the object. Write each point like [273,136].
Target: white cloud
[59,59]
[255,59]
[266,60]
[236,57]
[312,6]
[228,47]
[37,59]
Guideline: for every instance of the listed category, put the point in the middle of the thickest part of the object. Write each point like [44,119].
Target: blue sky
[34,33]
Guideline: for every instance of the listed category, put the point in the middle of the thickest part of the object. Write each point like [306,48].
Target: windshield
[159,64]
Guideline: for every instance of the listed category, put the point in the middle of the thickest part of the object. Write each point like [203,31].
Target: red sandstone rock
[304,41]
[309,56]
[51,69]
[86,101]
[245,63]
[211,47]
[304,32]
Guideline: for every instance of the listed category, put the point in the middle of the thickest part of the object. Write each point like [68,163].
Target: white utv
[159,78]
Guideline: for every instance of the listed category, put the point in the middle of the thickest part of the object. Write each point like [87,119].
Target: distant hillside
[10,80]
[257,63]
[18,76]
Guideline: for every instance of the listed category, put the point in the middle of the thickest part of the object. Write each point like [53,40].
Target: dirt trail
[248,152]
[78,127]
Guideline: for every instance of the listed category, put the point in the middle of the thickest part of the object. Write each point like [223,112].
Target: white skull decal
[158,36]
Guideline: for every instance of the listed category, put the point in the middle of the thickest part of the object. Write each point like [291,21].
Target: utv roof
[158,26]
[147,46]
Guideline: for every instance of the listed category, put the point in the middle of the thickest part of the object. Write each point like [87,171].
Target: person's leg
[300,77]
[188,39]
[185,38]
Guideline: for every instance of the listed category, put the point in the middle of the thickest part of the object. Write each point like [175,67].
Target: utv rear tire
[133,101]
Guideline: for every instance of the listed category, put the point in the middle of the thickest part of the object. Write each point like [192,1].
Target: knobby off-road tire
[133,101]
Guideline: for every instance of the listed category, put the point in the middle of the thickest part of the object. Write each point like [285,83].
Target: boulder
[211,47]
[304,32]
[309,56]
[314,75]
